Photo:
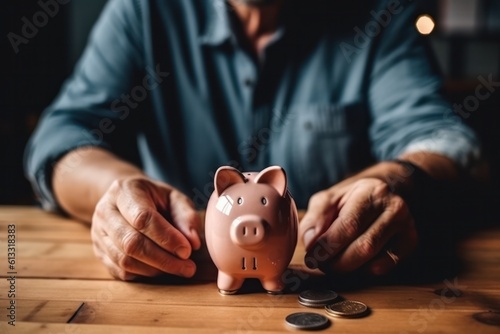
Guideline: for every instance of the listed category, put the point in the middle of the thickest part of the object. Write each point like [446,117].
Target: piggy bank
[251,228]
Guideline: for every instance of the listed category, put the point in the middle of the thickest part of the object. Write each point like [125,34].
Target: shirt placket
[248,72]
[256,105]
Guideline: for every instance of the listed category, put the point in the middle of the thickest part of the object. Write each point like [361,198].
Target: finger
[100,253]
[115,271]
[121,274]
[369,243]
[133,243]
[185,218]
[404,244]
[321,211]
[353,219]
[123,266]
[136,205]
[126,269]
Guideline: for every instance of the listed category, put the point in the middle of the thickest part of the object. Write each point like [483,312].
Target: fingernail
[194,239]
[188,270]
[182,252]
[308,237]
[130,277]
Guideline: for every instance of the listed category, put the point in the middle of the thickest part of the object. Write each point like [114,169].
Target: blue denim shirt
[171,86]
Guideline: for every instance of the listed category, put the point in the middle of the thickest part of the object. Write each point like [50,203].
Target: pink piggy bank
[251,228]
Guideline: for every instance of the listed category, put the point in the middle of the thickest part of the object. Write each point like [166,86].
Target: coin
[347,309]
[318,296]
[307,320]
[304,303]
[489,318]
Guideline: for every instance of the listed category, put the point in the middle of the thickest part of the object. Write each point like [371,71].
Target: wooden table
[60,287]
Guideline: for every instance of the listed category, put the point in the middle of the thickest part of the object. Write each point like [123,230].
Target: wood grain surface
[62,288]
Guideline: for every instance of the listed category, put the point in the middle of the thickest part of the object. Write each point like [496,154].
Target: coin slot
[243,264]
[254,263]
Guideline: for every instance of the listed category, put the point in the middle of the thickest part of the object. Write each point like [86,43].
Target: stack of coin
[326,299]
[317,298]
[347,309]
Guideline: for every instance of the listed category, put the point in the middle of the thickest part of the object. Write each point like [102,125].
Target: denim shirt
[172,87]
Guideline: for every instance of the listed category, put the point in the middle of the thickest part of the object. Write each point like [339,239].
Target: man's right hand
[142,227]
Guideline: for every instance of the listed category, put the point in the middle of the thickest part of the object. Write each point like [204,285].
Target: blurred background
[465,35]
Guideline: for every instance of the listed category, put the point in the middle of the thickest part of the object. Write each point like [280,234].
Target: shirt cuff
[464,151]
[43,192]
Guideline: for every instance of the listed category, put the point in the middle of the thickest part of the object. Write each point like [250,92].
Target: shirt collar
[218,26]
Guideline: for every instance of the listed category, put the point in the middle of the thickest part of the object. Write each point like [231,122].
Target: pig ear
[274,176]
[225,177]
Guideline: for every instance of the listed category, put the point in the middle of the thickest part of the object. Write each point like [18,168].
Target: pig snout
[248,230]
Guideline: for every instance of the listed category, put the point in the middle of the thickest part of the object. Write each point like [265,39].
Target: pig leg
[273,285]
[227,284]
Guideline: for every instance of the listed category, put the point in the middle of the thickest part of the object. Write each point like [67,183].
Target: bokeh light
[425,24]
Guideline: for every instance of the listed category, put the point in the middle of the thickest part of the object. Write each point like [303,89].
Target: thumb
[321,212]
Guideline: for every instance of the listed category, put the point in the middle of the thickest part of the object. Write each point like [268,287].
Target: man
[167,91]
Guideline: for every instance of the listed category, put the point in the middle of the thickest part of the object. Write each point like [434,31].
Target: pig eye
[240,200]
[263,200]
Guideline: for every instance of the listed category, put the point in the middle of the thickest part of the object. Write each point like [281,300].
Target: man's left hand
[358,223]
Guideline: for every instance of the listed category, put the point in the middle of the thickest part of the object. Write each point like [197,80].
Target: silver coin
[307,320]
[347,309]
[316,305]
[317,297]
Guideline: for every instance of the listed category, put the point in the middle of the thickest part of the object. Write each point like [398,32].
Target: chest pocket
[331,120]
[320,144]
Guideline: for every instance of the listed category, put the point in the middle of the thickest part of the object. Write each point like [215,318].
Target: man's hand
[359,222]
[145,228]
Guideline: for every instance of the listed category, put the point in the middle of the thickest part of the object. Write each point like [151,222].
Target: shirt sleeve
[408,110]
[89,110]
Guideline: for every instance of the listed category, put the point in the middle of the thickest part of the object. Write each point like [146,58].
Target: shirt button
[252,153]
[248,82]
[252,157]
